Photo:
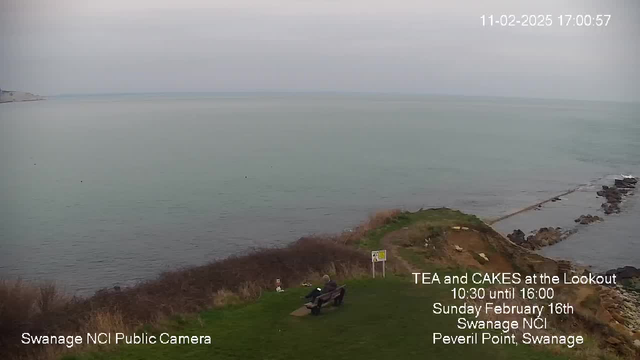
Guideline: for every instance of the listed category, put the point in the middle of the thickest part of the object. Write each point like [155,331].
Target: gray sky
[94,46]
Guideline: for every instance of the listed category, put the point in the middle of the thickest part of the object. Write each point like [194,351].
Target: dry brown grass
[420,232]
[104,321]
[48,296]
[22,306]
[42,309]
[22,303]
[17,305]
[249,291]
[374,221]
[381,218]
[224,297]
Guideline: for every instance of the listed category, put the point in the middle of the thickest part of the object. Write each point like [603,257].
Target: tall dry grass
[374,221]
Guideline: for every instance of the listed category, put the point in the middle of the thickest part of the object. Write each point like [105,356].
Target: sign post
[378,256]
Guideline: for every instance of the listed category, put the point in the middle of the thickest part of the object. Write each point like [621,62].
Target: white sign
[378,255]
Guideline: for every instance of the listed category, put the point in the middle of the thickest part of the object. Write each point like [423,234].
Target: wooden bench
[336,295]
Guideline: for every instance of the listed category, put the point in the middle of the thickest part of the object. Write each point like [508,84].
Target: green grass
[381,319]
[414,258]
[437,217]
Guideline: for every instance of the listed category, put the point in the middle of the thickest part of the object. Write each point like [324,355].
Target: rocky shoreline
[545,236]
[621,302]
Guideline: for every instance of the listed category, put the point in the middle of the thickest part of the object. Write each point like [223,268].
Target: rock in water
[614,198]
[626,272]
[545,236]
[611,208]
[625,183]
[517,237]
[587,219]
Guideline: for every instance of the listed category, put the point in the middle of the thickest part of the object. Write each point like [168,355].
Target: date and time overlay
[540,20]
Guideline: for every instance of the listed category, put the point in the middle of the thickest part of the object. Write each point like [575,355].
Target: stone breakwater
[614,194]
[545,236]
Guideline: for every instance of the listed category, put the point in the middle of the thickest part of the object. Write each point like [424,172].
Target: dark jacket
[329,286]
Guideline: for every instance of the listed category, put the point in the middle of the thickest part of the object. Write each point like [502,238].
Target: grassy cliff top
[380,319]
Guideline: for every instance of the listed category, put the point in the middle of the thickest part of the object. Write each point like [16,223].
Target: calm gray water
[97,191]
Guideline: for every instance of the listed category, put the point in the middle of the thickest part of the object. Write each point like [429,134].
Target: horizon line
[337,92]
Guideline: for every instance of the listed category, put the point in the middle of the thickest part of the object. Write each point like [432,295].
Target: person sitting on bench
[329,286]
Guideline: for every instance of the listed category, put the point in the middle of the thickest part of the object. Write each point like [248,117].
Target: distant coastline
[18,96]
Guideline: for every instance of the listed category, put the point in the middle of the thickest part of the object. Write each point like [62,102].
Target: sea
[105,190]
